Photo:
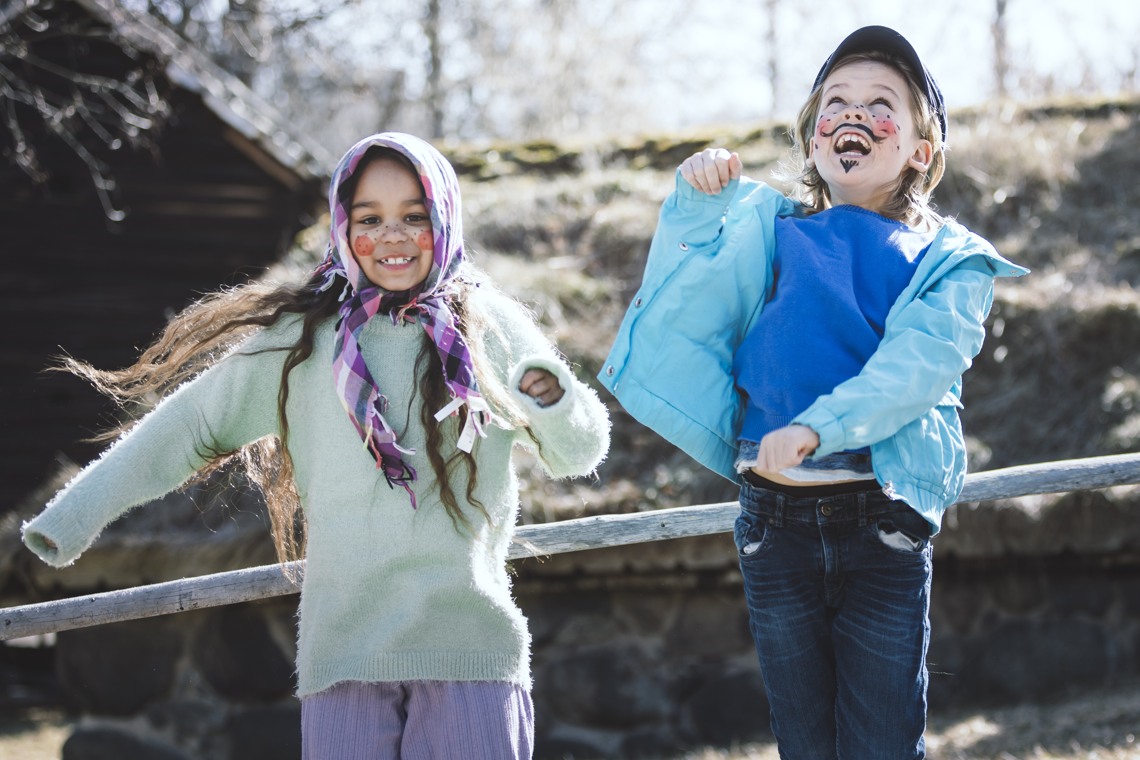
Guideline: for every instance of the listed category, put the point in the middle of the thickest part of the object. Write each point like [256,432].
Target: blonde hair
[910,202]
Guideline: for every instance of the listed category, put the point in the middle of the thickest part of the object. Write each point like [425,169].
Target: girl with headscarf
[377,405]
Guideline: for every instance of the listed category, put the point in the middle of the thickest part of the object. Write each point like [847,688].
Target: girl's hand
[541,386]
[786,447]
[711,170]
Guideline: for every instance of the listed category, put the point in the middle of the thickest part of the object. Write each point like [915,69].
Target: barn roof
[212,184]
[227,96]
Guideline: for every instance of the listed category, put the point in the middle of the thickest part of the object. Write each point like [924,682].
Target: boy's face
[389,229]
[865,134]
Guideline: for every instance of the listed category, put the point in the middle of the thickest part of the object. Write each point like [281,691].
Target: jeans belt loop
[778,520]
[862,508]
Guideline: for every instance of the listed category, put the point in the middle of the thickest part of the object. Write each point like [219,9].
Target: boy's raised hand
[712,169]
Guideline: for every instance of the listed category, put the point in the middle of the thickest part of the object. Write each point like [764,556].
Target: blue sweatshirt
[835,274]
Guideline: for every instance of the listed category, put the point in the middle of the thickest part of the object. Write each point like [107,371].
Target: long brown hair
[207,330]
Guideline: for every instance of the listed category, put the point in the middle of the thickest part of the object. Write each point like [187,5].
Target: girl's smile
[866,136]
[389,227]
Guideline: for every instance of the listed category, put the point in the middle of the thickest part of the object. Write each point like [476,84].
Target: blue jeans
[838,594]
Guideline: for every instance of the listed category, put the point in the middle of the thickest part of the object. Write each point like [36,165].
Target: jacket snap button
[637,302]
[684,246]
[610,371]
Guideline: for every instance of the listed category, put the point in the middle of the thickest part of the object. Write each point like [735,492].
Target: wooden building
[134,175]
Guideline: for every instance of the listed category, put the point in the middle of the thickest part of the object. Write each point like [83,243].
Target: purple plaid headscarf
[427,304]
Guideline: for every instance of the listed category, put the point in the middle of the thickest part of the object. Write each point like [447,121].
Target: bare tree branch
[47,96]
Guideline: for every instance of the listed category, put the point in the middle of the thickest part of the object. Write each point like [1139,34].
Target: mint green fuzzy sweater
[389,593]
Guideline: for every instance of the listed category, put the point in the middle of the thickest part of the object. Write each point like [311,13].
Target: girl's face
[389,229]
[865,134]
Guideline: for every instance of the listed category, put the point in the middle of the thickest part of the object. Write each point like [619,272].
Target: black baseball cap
[893,44]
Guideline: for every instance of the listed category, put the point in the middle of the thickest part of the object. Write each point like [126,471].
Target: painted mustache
[849,125]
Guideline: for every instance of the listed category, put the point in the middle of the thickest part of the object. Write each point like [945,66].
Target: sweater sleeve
[573,434]
[226,407]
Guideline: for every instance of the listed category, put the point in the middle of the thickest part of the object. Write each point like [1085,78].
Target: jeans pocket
[750,534]
[903,532]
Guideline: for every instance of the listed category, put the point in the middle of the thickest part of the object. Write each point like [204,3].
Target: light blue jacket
[707,278]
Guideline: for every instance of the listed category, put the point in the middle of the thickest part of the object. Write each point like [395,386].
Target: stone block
[1082,522]
[729,708]
[104,743]
[608,687]
[558,616]
[117,669]
[266,733]
[238,656]
[1087,593]
[1028,660]
[709,625]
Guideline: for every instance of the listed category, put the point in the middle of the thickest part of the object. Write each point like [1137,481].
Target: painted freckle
[363,245]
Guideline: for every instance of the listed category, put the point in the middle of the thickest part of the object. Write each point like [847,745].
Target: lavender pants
[474,720]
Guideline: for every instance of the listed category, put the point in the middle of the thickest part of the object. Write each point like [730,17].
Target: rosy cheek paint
[424,240]
[363,246]
[886,127]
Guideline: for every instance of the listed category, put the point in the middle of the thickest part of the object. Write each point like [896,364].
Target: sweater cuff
[46,536]
[689,193]
[827,426]
[560,371]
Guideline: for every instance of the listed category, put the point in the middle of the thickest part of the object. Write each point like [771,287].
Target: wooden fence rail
[530,540]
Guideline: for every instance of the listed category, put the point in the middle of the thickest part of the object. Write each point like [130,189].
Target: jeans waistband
[779,507]
[816,490]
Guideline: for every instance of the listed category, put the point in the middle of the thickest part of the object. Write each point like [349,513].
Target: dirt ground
[1100,726]
[37,735]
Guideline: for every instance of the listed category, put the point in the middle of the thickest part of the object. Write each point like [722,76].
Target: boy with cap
[813,349]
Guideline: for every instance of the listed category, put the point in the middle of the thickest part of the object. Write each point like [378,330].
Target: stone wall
[641,651]
[203,685]
[647,647]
